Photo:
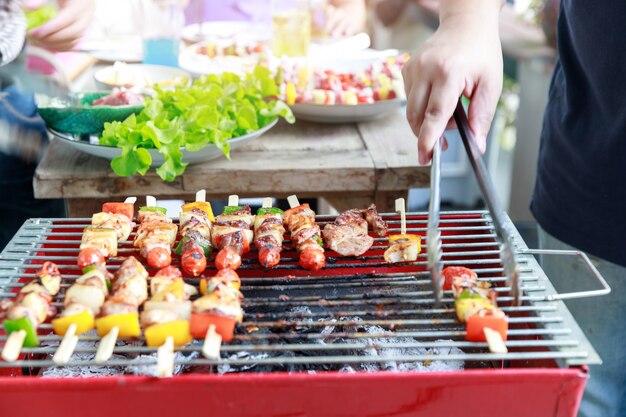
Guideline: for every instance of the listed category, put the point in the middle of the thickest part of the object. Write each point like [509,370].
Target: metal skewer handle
[493,204]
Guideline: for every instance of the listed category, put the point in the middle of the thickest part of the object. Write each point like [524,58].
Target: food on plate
[33,304]
[305,236]
[232,235]
[195,231]
[220,306]
[155,236]
[268,235]
[475,304]
[129,289]
[119,97]
[167,312]
[403,248]
[213,110]
[231,48]
[380,81]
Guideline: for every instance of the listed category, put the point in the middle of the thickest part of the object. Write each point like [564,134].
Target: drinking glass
[291,28]
[162,22]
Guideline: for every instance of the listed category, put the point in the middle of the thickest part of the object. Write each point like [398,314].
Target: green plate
[75,114]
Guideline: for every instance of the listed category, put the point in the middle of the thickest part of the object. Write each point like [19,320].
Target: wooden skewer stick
[400,208]
[212,344]
[165,358]
[201,195]
[13,346]
[67,346]
[151,201]
[293,201]
[107,344]
[494,341]
[130,200]
[233,200]
[267,202]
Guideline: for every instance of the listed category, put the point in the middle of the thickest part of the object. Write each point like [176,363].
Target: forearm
[487,11]
[12,30]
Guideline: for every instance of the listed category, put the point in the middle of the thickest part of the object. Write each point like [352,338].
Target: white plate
[215,30]
[121,48]
[199,64]
[344,113]
[207,153]
[138,74]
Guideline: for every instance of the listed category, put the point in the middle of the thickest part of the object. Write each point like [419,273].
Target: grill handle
[606,289]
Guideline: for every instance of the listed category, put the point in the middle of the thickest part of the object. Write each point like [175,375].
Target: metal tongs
[434,245]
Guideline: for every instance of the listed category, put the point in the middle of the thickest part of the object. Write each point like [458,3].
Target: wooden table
[350,165]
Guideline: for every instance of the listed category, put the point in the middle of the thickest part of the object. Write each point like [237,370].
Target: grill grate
[297,317]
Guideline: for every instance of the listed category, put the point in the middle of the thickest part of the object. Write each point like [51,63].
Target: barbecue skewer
[232,234]
[306,236]
[402,247]
[156,234]
[269,233]
[195,223]
[31,307]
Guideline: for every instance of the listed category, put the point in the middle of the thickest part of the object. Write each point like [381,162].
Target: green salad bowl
[74,114]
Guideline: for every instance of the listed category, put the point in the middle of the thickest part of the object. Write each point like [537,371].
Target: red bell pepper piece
[451,272]
[476,323]
[126,209]
[224,326]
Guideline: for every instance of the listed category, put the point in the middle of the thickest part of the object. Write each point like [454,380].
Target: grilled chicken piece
[402,250]
[119,304]
[90,296]
[50,277]
[223,301]
[376,223]
[157,316]
[164,278]
[348,234]
[118,222]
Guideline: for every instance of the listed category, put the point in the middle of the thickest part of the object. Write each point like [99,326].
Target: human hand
[463,57]
[345,18]
[64,31]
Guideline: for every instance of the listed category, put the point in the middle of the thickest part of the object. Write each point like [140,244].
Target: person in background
[23,137]
[343,17]
[579,198]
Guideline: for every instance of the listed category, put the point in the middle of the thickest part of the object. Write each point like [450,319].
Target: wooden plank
[393,149]
[306,158]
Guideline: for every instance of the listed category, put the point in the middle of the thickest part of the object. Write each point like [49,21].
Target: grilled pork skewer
[347,235]
[476,306]
[156,235]
[375,221]
[195,231]
[167,312]
[403,247]
[305,234]
[232,234]
[268,234]
[220,306]
[114,223]
[119,315]
[31,307]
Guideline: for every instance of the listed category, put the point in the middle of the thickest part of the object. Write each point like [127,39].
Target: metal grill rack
[297,319]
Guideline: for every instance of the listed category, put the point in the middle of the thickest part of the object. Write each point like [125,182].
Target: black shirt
[580,193]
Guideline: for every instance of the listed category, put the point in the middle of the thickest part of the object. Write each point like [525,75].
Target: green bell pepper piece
[231,209]
[154,209]
[22,323]
[272,210]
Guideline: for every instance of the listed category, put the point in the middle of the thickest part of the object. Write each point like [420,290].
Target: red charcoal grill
[297,321]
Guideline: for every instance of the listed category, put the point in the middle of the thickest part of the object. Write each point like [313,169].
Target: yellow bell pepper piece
[157,334]
[201,205]
[176,289]
[203,285]
[127,324]
[290,94]
[466,307]
[393,238]
[84,322]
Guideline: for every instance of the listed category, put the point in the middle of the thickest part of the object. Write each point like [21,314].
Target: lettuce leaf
[213,110]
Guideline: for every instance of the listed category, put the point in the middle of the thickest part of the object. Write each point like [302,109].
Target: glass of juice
[318,19]
[291,28]
[162,22]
